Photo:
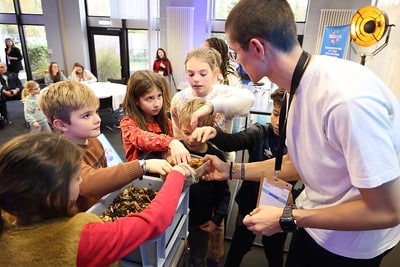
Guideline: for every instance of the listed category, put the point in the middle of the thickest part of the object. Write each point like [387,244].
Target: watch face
[287,221]
[288,225]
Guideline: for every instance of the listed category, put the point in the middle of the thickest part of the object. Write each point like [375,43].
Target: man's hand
[264,220]
[216,170]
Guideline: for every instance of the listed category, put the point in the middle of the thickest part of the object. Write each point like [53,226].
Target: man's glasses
[233,53]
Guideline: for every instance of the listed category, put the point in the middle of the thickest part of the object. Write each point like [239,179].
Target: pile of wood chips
[131,200]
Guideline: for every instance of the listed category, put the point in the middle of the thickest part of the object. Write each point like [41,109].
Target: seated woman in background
[54,74]
[79,74]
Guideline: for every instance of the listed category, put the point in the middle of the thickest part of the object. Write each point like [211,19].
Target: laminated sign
[273,191]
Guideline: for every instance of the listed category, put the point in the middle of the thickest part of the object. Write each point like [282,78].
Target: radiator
[333,17]
[180,21]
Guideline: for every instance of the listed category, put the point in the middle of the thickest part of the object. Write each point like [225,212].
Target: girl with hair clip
[226,102]
[39,222]
[33,114]
[228,75]
[146,127]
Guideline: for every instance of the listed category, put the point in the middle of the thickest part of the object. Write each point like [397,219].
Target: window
[384,4]
[31,6]
[138,52]
[99,8]
[222,8]
[135,35]
[38,55]
[299,8]
[7,6]
[30,39]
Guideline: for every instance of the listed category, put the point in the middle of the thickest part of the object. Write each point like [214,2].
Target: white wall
[74,32]
[200,32]
[387,62]
[66,33]
[51,17]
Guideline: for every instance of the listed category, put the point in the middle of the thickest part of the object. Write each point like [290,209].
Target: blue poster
[335,40]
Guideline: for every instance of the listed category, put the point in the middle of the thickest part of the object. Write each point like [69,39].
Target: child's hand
[187,172]
[203,134]
[179,153]
[160,166]
[209,226]
[199,115]
[35,125]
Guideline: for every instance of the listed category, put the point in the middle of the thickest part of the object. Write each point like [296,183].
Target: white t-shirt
[344,133]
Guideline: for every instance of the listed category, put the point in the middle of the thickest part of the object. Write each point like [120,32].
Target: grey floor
[254,258]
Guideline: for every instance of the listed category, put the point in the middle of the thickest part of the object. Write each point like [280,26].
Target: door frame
[123,45]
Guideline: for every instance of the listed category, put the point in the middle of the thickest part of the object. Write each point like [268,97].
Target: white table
[106,89]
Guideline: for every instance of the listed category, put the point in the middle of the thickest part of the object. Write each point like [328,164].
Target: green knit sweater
[51,243]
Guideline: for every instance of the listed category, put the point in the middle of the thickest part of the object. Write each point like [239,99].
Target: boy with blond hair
[72,107]
[208,201]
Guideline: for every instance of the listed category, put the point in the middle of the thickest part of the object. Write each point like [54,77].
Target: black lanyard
[297,74]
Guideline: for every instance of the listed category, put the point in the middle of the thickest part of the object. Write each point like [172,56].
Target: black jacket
[14,65]
[262,144]
[12,82]
[209,200]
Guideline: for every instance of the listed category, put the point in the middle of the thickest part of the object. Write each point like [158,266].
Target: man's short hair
[272,20]
[62,98]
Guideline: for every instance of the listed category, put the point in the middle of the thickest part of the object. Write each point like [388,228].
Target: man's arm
[378,208]
[219,170]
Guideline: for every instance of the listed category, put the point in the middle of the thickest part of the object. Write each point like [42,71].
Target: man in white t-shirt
[343,141]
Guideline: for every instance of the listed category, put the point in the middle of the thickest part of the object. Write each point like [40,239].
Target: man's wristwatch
[287,220]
